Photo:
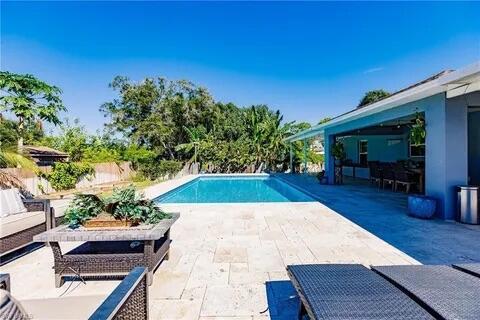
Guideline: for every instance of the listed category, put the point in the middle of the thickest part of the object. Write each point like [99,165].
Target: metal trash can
[468,204]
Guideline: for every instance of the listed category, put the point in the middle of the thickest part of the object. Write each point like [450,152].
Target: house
[449,105]
[45,156]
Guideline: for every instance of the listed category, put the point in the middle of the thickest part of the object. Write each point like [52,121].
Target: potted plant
[338,152]
[322,177]
[417,131]
[124,208]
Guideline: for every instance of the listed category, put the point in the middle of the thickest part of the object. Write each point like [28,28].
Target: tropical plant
[29,99]
[13,159]
[373,96]
[124,204]
[82,208]
[181,121]
[195,136]
[338,151]
[417,131]
[127,204]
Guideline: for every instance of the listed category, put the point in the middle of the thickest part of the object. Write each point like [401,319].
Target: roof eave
[425,90]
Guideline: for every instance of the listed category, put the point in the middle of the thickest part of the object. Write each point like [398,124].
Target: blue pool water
[234,190]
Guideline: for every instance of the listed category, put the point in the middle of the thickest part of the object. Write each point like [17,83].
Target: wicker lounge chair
[335,291]
[449,293]
[472,268]
[129,300]
[17,230]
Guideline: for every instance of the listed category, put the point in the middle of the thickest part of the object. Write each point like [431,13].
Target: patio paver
[383,213]
[222,255]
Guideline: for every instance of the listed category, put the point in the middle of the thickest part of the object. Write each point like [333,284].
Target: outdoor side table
[109,252]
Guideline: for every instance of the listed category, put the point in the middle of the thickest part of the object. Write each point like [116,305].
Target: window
[417,150]
[363,152]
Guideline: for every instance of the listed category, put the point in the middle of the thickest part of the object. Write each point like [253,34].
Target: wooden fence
[109,172]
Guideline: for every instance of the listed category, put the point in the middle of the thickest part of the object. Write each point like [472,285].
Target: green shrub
[136,154]
[100,154]
[65,175]
[154,169]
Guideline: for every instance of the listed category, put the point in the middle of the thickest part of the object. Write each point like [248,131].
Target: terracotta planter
[105,220]
[94,223]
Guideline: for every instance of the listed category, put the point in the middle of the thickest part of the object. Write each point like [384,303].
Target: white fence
[109,172]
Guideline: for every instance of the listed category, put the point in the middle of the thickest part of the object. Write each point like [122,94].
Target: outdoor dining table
[109,252]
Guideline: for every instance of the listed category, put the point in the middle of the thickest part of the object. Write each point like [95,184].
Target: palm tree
[195,136]
[266,134]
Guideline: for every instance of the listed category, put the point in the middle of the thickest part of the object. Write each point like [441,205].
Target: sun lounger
[335,291]
[472,268]
[448,292]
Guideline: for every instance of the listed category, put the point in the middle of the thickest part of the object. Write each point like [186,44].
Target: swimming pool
[239,189]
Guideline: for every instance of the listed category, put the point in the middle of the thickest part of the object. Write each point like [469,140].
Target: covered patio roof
[453,83]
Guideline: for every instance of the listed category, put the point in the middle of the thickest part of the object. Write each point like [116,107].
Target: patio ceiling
[452,83]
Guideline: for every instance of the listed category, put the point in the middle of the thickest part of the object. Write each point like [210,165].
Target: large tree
[178,120]
[373,96]
[30,100]
[155,112]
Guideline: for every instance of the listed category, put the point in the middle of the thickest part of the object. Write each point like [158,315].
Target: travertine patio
[221,257]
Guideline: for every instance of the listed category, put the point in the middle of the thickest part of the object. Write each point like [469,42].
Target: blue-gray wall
[378,148]
[446,159]
[474,147]
[430,103]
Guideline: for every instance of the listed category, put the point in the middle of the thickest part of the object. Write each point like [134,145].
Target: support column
[305,156]
[329,140]
[446,157]
[291,159]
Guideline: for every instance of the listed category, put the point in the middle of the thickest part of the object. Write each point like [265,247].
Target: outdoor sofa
[21,219]
[129,300]
[352,291]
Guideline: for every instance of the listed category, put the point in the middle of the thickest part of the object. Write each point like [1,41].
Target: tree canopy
[29,99]
[157,124]
[178,120]
[373,96]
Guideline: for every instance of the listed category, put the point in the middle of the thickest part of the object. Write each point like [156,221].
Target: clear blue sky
[309,60]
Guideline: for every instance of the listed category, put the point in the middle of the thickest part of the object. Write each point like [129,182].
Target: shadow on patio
[383,213]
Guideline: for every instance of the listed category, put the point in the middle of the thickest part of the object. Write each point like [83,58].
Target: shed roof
[42,151]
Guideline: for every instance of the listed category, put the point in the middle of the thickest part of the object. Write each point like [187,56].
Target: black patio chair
[388,175]
[447,293]
[375,173]
[350,291]
[404,177]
